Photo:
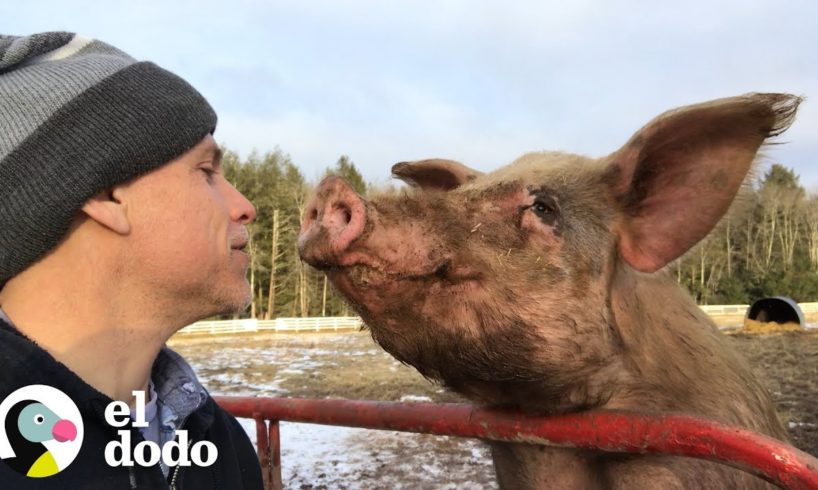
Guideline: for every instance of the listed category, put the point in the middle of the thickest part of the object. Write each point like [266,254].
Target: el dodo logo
[40,431]
[148,453]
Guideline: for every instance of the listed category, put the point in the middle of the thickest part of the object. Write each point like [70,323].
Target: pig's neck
[527,466]
[671,358]
[675,360]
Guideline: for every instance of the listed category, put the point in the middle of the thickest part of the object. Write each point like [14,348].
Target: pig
[539,287]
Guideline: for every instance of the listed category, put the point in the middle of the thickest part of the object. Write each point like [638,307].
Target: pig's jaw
[499,364]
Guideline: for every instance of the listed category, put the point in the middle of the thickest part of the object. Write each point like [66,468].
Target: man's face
[188,234]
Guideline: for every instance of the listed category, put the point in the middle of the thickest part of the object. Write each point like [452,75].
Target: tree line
[281,284]
[767,247]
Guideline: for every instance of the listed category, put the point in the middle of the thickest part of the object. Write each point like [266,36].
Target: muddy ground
[788,365]
[349,365]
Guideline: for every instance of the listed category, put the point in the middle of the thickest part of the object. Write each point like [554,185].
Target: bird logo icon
[42,433]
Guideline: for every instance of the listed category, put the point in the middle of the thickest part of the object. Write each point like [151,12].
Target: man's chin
[223,309]
[231,302]
[241,302]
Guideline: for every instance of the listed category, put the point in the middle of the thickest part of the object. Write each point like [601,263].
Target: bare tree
[252,251]
[275,256]
[810,215]
[790,229]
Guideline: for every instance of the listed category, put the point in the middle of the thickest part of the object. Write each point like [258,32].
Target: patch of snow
[415,398]
[319,456]
[291,371]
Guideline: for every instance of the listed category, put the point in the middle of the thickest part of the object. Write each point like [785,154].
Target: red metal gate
[622,432]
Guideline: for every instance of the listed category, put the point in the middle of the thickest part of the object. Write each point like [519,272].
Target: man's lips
[238,239]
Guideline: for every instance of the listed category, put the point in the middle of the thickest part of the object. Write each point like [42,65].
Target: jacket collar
[26,363]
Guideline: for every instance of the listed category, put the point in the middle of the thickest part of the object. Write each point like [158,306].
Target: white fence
[330,324]
[725,309]
[249,325]
[806,308]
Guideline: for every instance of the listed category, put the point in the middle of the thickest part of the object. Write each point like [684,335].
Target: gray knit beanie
[78,116]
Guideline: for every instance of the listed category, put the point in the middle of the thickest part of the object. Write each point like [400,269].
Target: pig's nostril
[345,213]
[332,220]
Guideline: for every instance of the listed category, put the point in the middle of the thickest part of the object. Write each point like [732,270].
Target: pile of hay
[756,327]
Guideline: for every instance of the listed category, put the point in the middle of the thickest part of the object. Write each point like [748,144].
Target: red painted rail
[621,432]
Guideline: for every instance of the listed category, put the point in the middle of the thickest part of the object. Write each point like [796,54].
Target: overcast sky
[477,81]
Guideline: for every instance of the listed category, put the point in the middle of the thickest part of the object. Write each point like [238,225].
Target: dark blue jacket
[23,363]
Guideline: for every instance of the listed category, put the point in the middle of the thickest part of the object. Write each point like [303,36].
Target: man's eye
[209,173]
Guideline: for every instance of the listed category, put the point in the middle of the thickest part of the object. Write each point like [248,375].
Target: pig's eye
[543,209]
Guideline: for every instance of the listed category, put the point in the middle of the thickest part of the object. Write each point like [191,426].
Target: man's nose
[241,209]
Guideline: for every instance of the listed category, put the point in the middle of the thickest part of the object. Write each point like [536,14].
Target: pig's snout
[333,219]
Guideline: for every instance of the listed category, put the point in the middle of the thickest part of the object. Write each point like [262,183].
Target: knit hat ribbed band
[78,116]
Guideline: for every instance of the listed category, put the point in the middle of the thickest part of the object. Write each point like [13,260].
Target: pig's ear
[678,175]
[434,174]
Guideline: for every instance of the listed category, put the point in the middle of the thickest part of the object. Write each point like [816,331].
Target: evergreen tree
[345,168]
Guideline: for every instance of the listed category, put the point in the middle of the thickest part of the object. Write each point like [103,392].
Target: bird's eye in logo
[40,431]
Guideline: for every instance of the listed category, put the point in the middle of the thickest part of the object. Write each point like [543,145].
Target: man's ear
[109,211]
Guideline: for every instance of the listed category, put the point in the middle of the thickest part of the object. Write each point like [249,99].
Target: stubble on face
[187,248]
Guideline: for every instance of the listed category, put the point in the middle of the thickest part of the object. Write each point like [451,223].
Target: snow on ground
[316,456]
[327,457]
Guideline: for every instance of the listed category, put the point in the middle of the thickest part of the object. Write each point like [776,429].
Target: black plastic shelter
[779,309]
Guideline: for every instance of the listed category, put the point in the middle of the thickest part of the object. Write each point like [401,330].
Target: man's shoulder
[222,424]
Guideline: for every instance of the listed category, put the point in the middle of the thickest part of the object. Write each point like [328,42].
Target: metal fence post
[263,449]
[275,456]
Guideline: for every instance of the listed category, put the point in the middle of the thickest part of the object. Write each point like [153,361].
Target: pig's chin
[502,367]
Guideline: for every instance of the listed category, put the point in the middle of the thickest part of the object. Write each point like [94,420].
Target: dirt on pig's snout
[538,286]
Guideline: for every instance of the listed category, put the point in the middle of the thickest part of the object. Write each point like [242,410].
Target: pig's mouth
[366,275]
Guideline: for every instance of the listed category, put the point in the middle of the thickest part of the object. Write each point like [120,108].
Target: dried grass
[755,327]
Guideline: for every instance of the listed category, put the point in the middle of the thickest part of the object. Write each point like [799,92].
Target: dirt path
[788,365]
